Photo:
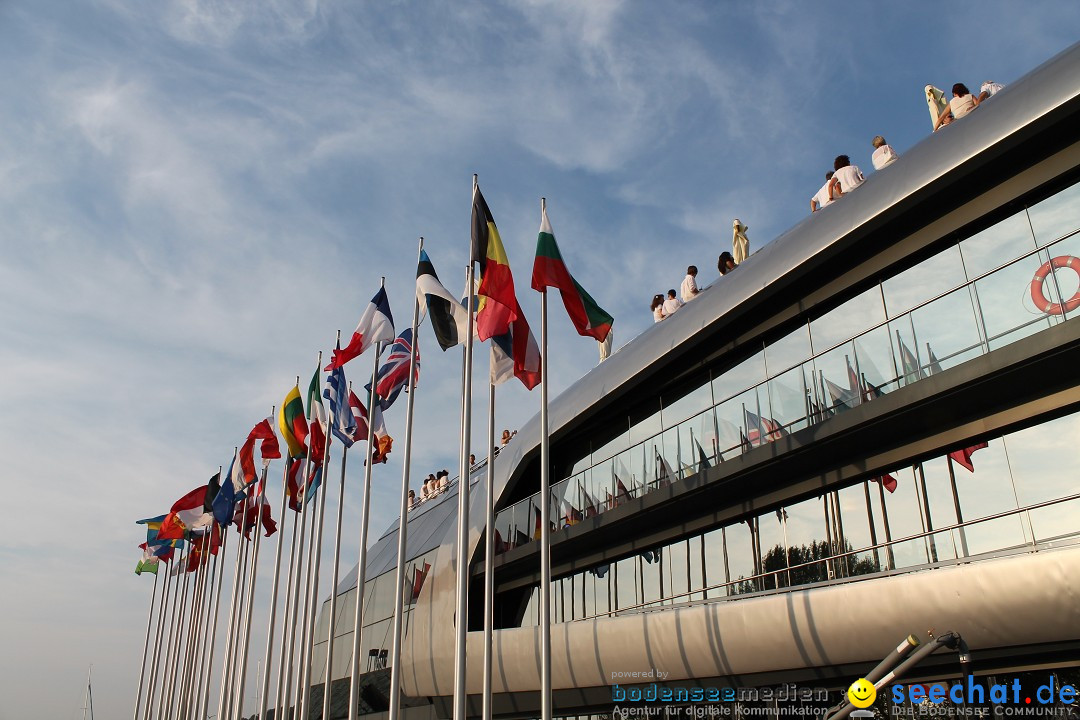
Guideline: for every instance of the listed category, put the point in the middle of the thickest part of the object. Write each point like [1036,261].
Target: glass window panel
[646,428]
[612,447]
[938,491]
[380,604]
[1055,523]
[744,375]
[928,279]
[731,415]
[342,656]
[568,510]
[997,244]
[601,588]
[836,389]
[787,399]
[523,523]
[1057,215]
[629,470]
[697,437]
[740,554]
[994,535]
[1043,459]
[600,484]
[855,527]
[532,609]
[671,452]
[695,553]
[873,360]
[626,582]
[588,580]
[582,465]
[989,489]
[374,637]
[946,327]
[788,351]
[1008,312]
[655,586]
[1063,282]
[773,549]
[691,404]
[715,566]
[807,541]
[850,319]
[676,574]
[902,516]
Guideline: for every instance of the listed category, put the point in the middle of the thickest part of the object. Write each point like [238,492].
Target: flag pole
[181,645]
[403,517]
[361,564]
[545,510]
[251,586]
[285,654]
[177,639]
[146,646]
[263,697]
[212,641]
[461,615]
[343,406]
[209,632]
[194,626]
[226,669]
[295,617]
[489,552]
[163,609]
[169,662]
[316,564]
[205,601]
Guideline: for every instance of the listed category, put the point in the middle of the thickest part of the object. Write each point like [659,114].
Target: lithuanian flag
[549,270]
[293,424]
[497,301]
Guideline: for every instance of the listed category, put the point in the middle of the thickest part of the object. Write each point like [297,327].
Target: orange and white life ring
[1039,297]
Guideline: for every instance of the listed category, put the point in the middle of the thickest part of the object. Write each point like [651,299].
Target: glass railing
[983,314]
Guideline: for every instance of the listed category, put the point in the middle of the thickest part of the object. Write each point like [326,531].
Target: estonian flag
[449,318]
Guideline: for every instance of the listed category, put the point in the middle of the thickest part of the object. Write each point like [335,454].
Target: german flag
[293,424]
[497,301]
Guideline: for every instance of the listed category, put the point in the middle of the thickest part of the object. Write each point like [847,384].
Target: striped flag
[393,375]
[376,325]
[382,441]
[516,354]
[449,318]
[293,424]
[342,420]
[264,431]
[497,298]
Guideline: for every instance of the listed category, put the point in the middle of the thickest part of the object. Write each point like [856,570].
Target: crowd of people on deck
[845,177]
[439,482]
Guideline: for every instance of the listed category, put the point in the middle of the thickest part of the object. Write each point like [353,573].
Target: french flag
[376,325]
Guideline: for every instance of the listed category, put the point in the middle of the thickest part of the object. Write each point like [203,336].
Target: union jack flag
[394,373]
[760,430]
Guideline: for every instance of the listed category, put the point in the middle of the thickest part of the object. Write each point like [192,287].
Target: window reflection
[1056,216]
[928,279]
[848,320]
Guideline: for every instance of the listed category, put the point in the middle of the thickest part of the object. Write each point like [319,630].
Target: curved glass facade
[971,298]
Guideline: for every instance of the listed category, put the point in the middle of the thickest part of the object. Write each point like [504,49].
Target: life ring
[1039,297]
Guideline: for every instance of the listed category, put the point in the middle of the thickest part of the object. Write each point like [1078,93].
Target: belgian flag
[498,303]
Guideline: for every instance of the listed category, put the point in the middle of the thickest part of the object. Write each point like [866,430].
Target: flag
[147,563]
[293,424]
[376,325]
[703,459]
[571,515]
[264,431]
[247,515]
[419,575]
[549,270]
[153,525]
[231,491]
[912,372]
[292,483]
[592,504]
[963,457]
[621,493]
[184,513]
[449,318]
[841,398]
[342,420]
[664,473]
[317,422]
[934,366]
[498,302]
[393,375]
[538,524]
[760,430]
[213,487]
[887,481]
[382,441]
[516,354]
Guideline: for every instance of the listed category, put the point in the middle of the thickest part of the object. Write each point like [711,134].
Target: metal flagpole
[86,697]
[177,643]
[309,632]
[403,519]
[239,700]
[204,668]
[299,563]
[191,665]
[461,614]
[162,611]
[226,674]
[489,554]
[285,652]
[361,564]
[204,700]
[169,662]
[236,609]
[545,509]
[146,646]
[265,684]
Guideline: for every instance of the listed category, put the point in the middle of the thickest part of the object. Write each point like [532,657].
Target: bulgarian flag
[549,270]
[293,424]
[498,303]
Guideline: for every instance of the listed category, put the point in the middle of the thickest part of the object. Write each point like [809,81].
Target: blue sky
[196,195]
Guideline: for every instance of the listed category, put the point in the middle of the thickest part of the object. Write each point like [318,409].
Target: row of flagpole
[185,634]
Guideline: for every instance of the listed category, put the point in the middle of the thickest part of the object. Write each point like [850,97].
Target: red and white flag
[376,325]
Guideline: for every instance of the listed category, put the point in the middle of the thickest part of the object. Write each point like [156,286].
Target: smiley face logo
[862,693]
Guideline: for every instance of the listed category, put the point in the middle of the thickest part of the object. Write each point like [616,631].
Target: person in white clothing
[846,177]
[961,104]
[989,89]
[689,288]
[821,199]
[883,153]
[657,306]
[672,304]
